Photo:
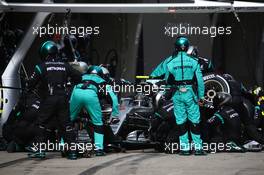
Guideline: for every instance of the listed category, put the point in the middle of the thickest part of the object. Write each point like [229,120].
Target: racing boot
[184,153]
[40,155]
[99,152]
[72,156]
[11,147]
[235,148]
[35,152]
[88,154]
[253,146]
[40,138]
[200,152]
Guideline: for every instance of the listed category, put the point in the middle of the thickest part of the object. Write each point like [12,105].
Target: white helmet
[80,66]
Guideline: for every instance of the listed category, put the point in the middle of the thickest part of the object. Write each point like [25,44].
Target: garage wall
[158,46]
[242,55]
[117,31]
[244,60]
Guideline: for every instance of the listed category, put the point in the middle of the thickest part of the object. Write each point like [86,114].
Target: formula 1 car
[140,127]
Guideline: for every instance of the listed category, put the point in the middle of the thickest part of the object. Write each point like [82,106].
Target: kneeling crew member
[225,125]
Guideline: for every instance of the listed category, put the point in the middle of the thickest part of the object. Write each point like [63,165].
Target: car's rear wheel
[214,83]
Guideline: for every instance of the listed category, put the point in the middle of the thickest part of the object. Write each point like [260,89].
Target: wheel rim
[211,88]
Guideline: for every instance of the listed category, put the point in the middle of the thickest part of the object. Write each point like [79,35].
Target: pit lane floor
[135,162]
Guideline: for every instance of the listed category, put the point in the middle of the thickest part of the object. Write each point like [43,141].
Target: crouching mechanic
[180,71]
[18,130]
[243,103]
[258,98]
[87,95]
[225,124]
[53,74]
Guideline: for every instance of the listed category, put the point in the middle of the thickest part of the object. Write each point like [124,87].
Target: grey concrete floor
[135,162]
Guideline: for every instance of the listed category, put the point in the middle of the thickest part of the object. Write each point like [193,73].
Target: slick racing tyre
[214,83]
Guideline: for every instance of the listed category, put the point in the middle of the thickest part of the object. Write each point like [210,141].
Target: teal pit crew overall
[180,72]
[88,98]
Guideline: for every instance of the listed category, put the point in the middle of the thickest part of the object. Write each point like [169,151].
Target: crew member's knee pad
[182,128]
[195,128]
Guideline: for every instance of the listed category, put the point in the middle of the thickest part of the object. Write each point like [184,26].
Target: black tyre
[214,83]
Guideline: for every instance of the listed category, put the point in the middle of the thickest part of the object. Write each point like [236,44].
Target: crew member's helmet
[182,44]
[83,67]
[80,66]
[106,74]
[222,98]
[96,70]
[49,49]
[261,105]
[257,91]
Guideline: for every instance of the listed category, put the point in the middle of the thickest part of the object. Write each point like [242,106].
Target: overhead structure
[199,6]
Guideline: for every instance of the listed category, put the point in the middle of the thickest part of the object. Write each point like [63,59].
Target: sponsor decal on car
[207,77]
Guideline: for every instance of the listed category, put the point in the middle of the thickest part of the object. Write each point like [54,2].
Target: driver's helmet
[222,98]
